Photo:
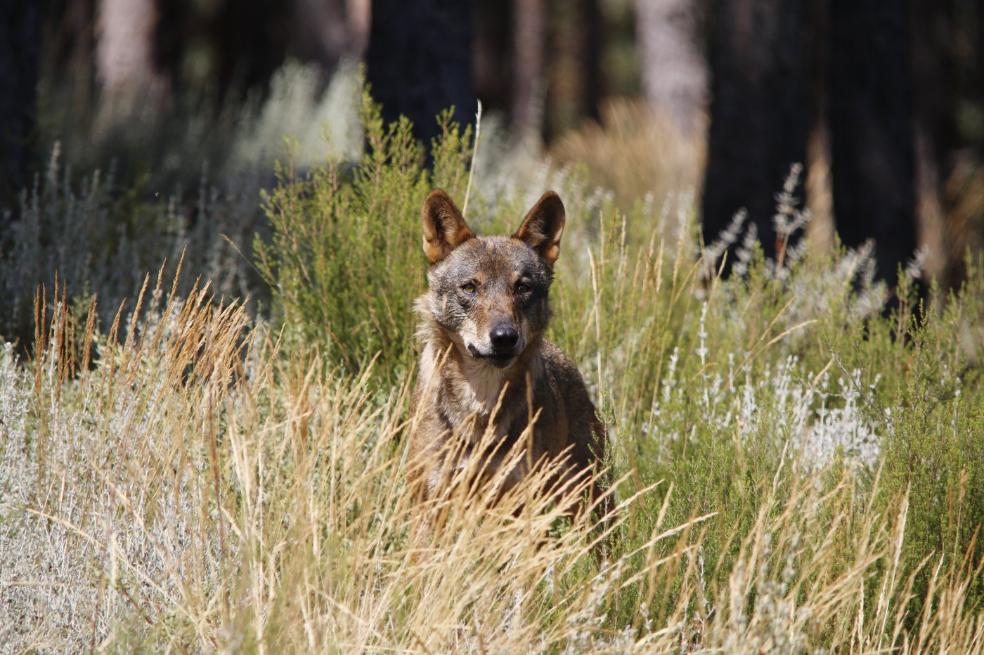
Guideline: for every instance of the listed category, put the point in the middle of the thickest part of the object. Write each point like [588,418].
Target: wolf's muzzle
[504,338]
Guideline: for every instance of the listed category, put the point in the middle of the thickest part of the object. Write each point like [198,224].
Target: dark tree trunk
[323,31]
[250,40]
[420,61]
[871,128]
[20,59]
[572,65]
[936,138]
[493,55]
[593,21]
[67,62]
[761,109]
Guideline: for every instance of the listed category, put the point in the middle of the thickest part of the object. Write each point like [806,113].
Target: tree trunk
[936,129]
[420,63]
[127,71]
[250,41]
[529,42]
[674,74]
[494,72]
[591,45]
[870,116]
[760,112]
[573,65]
[325,31]
[67,62]
[20,58]
[358,16]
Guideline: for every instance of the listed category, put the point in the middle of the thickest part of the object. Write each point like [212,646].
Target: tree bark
[591,44]
[760,109]
[573,65]
[325,31]
[936,138]
[529,42]
[493,50]
[674,69]
[251,44]
[127,71]
[870,113]
[20,59]
[358,16]
[420,62]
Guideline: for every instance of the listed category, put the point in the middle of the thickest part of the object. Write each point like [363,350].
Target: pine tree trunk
[936,129]
[325,31]
[870,113]
[761,109]
[420,62]
[494,51]
[674,74]
[128,74]
[20,58]
[529,41]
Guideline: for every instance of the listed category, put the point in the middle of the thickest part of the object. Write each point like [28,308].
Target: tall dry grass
[191,487]
[795,470]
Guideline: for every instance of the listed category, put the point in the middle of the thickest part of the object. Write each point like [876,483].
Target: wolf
[484,362]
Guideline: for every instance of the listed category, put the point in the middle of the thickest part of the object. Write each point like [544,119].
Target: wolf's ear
[444,226]
[543,226]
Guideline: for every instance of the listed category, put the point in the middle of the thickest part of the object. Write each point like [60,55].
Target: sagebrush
[796,468]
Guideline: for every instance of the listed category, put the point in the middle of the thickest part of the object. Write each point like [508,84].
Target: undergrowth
[798,469]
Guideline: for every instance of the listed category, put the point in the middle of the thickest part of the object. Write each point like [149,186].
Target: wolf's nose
[504,337]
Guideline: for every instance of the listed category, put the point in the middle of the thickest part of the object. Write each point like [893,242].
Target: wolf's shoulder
[585,431]
[560,368]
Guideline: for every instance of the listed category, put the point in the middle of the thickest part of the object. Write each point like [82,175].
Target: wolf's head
[489,294]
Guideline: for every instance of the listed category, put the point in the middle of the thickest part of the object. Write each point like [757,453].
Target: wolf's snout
[504,337]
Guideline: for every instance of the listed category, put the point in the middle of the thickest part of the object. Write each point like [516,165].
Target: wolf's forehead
[492,256]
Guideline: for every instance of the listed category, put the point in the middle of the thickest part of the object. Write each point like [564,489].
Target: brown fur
[478,285]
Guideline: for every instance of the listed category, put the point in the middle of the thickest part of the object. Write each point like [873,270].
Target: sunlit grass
[794,469]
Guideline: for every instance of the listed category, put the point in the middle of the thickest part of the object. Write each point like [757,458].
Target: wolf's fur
[478,287]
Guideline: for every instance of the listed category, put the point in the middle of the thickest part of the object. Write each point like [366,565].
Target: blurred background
[165,117]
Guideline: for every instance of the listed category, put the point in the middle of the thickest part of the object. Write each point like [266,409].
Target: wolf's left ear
[543,226]
[444,226]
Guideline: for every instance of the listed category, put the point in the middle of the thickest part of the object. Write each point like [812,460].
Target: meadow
[209,466]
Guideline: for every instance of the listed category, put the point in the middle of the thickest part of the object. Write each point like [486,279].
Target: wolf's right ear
[444,226]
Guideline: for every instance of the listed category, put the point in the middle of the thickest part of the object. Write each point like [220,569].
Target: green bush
[726,389]
[344,260]
[800,469]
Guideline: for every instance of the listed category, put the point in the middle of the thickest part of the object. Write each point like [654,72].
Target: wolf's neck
[471,386]
[483,385]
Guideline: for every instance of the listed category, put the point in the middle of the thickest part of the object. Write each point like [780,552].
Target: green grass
[797,470]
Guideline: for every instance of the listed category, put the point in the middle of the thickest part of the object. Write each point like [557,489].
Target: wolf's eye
[469,287]
[523,287]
